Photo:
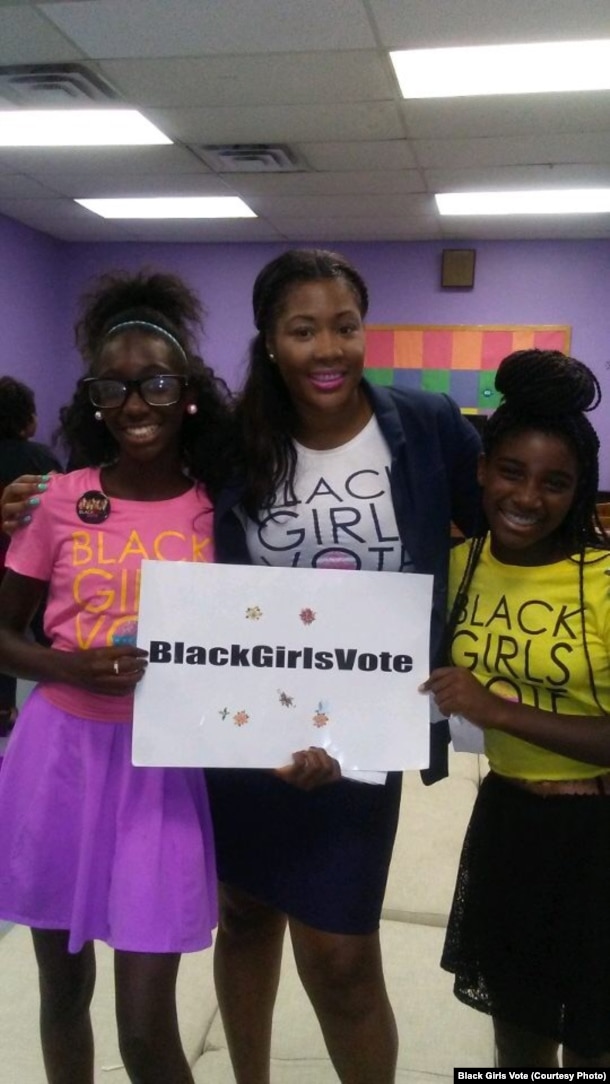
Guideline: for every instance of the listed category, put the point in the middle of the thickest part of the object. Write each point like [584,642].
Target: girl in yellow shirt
[528,938]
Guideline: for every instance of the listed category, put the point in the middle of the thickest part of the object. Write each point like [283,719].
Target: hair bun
[547,384]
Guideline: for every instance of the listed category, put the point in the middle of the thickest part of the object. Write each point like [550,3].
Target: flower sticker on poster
[250,664]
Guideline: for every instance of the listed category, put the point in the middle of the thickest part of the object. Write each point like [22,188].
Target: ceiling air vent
[36,85]
[251,158]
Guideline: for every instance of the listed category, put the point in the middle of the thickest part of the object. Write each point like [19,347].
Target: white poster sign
[250,664]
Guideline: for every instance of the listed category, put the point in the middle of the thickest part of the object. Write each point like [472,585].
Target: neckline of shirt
[318,453]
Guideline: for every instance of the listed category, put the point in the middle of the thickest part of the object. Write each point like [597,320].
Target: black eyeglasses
[162,389]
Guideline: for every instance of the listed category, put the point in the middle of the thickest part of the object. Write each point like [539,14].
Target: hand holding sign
[248,664]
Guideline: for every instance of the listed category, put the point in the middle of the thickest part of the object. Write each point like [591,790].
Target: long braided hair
[551,393]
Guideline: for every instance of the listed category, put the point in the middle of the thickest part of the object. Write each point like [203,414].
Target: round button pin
[93,506]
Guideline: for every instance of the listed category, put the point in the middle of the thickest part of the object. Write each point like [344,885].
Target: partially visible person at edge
[114,853]
[19,454]
[335,473]
[528,938]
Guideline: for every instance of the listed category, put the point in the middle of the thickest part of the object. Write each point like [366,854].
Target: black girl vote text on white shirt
[341,515]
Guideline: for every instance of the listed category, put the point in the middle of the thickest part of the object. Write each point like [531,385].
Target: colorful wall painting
[460,360]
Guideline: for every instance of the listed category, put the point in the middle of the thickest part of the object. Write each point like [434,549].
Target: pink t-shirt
[93,568]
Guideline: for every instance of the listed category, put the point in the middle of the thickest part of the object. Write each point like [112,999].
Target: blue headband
[152,327]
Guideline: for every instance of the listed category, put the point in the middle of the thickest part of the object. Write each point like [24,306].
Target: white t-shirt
[342,516]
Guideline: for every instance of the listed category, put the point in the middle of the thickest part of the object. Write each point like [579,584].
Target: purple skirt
[93,845]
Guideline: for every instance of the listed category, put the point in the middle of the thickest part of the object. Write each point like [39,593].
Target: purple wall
[563,282]
[31,306]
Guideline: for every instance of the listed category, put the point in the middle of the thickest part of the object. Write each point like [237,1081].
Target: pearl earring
[271,356]
[191,408]
[98,415]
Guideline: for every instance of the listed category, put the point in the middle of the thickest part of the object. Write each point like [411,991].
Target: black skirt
[320,856]
[528,938]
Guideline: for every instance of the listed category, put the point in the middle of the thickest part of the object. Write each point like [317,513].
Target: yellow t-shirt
[520,633]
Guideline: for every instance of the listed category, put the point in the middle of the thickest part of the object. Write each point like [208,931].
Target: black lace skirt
[528,938]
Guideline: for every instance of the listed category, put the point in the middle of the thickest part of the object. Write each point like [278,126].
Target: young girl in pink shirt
[91,847]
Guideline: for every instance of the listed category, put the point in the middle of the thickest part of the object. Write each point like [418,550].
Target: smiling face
[142,432]
[318,344]
[529,483]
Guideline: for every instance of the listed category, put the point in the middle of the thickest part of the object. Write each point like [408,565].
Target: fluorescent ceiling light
[76,128]
[576,201]
[170,207]
[534,68]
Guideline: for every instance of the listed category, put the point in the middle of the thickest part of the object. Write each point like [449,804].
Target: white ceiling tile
[527,228]
[63,219]
[377,228]
[27,37]
[280,208]
[513,177]
[18,185]
[156,28]
[326,184]
[366,154]
[211,230]
[526,150]
[405,24]
[90,186]
[284,124]
[507,115]
[283,79]
[94,161]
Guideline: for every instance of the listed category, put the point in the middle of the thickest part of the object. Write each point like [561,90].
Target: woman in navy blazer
[304,848]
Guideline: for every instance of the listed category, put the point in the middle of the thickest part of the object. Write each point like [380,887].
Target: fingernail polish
[26,519]
[42,486]
[34,500]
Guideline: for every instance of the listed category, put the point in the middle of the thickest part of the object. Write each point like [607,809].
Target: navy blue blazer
[433,483]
